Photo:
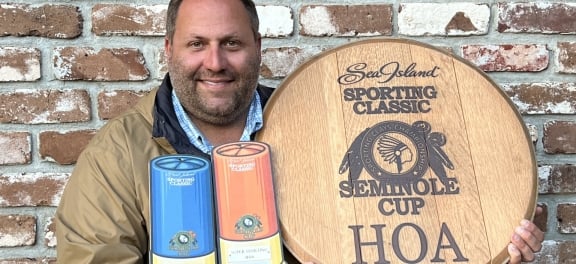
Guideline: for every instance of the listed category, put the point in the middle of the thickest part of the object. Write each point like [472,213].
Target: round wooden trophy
[393,151]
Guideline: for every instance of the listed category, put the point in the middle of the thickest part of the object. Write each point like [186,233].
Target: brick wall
[68,66]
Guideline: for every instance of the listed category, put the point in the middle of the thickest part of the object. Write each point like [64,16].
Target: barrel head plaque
[393,151]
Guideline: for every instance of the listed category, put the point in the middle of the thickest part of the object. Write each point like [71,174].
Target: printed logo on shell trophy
[394,151]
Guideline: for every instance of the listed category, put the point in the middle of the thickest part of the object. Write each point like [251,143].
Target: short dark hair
[174,6]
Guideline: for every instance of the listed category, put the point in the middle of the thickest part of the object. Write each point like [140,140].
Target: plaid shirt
[253,123]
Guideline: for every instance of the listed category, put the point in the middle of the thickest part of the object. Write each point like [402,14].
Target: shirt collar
[254,122]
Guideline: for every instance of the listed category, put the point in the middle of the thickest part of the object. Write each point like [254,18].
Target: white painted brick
[420,19]
[281,62]
[543,176]
[19,64]
[275,21]
[316,20]
[533,131]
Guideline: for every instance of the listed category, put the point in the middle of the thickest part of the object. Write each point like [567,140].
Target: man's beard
[198,108]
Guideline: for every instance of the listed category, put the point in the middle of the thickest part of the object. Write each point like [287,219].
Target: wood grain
[440,167]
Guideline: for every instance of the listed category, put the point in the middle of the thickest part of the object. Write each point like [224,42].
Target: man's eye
[195,44]
[232,43]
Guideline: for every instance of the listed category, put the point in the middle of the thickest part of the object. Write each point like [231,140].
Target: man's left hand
[526,240]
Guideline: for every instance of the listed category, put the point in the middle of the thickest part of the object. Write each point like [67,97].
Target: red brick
[511,58]
[537,17]
[15,148]
[17,230]
[566,214]
[85,63]
[31,189]
[559,137]
[566,57]
[114,19]
[50,234]
[543,98]
[51,21]
[567,252]
[541,220]
[346,20]
[64,147]
[44,107]
[112,103]
[19,64]
[562,179]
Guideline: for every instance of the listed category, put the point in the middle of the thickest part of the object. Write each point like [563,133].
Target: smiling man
[210,96]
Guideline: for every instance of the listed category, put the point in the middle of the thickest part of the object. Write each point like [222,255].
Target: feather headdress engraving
[393,151]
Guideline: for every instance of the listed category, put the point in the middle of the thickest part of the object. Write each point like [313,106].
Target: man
[210,97]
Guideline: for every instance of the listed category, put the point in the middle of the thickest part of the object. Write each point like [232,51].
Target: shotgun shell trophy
[247,216]
[182,208]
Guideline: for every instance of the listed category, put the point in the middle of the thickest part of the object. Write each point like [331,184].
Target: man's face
[214,60]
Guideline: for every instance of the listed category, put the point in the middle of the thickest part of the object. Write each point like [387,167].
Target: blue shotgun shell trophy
[182,210]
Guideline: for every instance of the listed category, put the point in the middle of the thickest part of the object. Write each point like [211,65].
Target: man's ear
[167,48]
[259,44]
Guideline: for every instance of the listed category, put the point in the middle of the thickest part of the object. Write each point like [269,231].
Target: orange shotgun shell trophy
[247,217]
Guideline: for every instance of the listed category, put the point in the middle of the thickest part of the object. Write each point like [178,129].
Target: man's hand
[526,240]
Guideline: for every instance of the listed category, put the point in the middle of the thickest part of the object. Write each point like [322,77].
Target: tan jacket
[104,214]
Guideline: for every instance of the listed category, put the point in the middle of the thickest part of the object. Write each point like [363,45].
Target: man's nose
[215,59]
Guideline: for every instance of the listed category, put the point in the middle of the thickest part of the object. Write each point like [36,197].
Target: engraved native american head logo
[396,151]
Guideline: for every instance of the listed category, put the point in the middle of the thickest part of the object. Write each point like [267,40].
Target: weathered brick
[543,98]
[141,20]
[549,252]
[559,137]
[277,63]
[162,64]
[449,19]
[17,230]
[566,215]
[544,172]
[19,261]
[566,57]
[537,17]
[513,58]
[43,107]
[533,132]
[31,189]
[112,103]
[84,63]
[275,21]
[50,234]
[64,147]
[51,21]
[15,148]
[557,252]
[567,252]
[19,64]
[346,20]
[562,179]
